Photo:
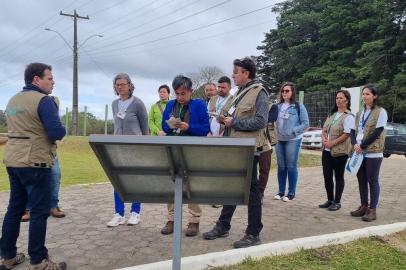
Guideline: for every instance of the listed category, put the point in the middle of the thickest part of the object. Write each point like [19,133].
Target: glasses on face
[285,90]
[121,84]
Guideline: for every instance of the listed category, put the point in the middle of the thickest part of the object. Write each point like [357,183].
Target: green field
[365,254]
[79,165]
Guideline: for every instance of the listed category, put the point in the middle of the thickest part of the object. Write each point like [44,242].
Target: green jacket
[155,117]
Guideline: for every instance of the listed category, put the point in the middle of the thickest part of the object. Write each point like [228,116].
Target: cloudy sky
[152,41]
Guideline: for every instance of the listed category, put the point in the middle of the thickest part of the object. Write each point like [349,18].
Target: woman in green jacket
[156,112]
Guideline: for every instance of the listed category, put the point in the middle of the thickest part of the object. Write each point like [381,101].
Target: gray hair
[125,77]
[182,81]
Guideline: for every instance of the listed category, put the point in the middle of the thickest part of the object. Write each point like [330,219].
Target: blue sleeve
[273,113]
[303,121]
[166,116]
[202,126]
[48,113]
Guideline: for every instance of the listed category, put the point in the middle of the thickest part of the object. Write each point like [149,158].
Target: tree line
[324,45]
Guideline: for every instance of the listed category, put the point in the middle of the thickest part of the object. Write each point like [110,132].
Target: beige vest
[245,108]
[336,130]
[378,145]
[28,144]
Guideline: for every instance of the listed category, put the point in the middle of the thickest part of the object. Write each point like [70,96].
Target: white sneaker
[288,198]
[116,220]
[134,219]
[278,196]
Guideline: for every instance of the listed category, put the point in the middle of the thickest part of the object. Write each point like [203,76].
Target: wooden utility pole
[75,112]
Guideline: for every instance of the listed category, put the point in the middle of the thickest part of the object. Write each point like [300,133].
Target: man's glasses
[121,84]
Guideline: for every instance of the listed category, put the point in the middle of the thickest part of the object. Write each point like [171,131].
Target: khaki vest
[28,144]
[245,108]
[378,145]
[336,131]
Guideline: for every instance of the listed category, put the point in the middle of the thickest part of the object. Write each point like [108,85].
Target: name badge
[121,115]
[231,110]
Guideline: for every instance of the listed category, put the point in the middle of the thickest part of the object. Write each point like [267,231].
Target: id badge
[121,115]
[231,110]
[285,115]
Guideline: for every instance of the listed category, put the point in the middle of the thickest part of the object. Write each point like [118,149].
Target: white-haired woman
[130,118]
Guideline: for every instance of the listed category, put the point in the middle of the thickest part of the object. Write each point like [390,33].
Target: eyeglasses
[121,84]
[285,90]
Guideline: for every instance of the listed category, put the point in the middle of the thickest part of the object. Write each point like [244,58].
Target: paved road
[83,240]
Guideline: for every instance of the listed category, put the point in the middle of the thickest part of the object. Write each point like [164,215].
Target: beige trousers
[194,210]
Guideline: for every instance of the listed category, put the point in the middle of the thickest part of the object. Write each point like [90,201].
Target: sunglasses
[285,90]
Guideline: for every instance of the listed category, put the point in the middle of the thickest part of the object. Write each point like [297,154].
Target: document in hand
[354,163]
[172,122]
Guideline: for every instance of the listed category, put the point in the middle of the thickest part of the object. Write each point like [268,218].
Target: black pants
[254,208]
[336,165]
[368,175]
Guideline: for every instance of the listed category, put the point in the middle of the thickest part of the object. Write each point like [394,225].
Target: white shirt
[123,104]
[381,122]
[214,125]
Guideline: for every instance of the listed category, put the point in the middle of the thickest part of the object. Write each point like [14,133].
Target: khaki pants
[194,210]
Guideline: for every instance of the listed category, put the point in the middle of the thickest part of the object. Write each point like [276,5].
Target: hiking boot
[247,241]
[168,229]
[216,232]
[47,264]
[326,204]
[370,215]
[57,213]
[360,211]
[192,229]
[26,217]
[116,220]
[334,206]
[134,219]
[10,263]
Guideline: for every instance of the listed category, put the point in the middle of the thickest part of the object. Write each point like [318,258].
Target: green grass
[79,165]
[369,253]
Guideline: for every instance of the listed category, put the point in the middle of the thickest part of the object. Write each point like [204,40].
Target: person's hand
[329,144]
[209,134]
[357,149]
[161,133]
[324,142]
[183,126]
[228,121]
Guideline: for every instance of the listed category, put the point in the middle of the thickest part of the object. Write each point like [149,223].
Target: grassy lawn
[79,165]
[367,253]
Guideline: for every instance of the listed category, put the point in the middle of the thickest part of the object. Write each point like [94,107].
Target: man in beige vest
[245,116]
[33,128]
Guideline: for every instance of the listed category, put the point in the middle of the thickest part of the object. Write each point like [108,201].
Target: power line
[165,25]
[184,32]
[107,8]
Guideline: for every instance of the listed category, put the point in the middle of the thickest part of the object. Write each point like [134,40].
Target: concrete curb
[234,256]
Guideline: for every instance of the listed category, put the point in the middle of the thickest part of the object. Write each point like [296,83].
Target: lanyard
[364,121]
[219,105]
[180,108]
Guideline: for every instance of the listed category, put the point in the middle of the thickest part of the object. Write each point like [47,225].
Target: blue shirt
[48,114]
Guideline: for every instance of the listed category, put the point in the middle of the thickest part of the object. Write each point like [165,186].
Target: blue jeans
[287,154]
[119,205]
[55,184]
[39,198]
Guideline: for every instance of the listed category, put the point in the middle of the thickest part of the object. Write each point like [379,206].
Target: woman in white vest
[336,148]
[369,138]
[130,118]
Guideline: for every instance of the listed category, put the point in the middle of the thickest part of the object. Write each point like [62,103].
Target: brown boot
[360,211]
[370,215]
[26,217]
[10,263]
[168,229]
[47,264]
[57,212]
[192,229]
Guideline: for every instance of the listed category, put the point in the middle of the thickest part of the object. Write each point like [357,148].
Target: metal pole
[177,232]
[85,123]
[105,119]
[67,120]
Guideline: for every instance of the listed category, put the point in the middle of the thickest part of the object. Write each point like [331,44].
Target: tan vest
[28,144]
[246,108]
[336,130]
[378,145]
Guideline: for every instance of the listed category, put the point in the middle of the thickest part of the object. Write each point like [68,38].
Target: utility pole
[75,17]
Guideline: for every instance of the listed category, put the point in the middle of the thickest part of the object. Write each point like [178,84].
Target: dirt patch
[396,240]
[325,253]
